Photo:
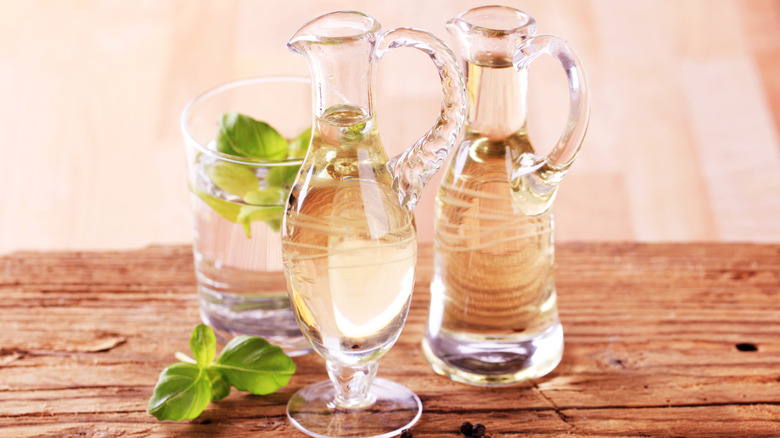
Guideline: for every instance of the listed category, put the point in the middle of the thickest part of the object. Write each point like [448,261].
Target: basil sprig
[243,136]
[248,363]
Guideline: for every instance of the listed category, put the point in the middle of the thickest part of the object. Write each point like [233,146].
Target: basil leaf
[226,209]
[251,213]
[223,145]
[252,364]
[182,393]
[269,196]
[284,176]
[225,141]
[298,146]
[203,344]
[274,224]
[220,388]
[281,176]
[248,137]
[232,177]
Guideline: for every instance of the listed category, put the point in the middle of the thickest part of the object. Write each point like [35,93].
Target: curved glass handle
[413,169]
[569,144]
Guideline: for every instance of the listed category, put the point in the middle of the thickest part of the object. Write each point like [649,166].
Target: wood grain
[651,333]
[683,142]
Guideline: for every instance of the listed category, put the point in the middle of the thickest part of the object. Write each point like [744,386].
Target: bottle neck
[342,76]
[497,100]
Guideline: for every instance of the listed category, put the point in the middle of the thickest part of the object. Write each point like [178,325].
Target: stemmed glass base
[390,409]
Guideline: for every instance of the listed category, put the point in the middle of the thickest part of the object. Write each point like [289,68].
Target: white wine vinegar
[349,246]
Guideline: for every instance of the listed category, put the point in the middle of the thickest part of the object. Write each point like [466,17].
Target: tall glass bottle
[349,237]
[493,315]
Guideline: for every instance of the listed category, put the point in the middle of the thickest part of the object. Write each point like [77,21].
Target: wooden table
[659,342]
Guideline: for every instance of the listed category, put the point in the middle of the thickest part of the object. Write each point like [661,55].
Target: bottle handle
[568,145]
[413,169]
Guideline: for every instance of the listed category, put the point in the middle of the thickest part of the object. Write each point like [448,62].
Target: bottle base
[494,361]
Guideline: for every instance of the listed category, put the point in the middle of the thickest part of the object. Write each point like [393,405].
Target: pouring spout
[335,28]
[489,35]
[339,50]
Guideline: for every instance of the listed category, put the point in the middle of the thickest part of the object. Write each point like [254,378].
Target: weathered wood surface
[651,348]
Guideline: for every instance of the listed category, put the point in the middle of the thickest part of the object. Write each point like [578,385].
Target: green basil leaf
[220,388]
[298,146]
[274,224]
[269,196]
[252,364]
[281,176]
[226,209]
[252,213]
[225,140]
[203,344]
[232,177]
[250,138]
[182,393]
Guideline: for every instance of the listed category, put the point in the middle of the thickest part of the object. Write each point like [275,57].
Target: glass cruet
[348,235]
[493,317]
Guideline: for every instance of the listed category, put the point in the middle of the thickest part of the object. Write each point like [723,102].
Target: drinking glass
[237,241]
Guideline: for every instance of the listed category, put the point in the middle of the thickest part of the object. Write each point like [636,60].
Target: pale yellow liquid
[349,248]
[493,263]
[493,314]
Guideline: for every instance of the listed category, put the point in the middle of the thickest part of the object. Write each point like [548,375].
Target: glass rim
[317,30]
[525,22]
[189,139]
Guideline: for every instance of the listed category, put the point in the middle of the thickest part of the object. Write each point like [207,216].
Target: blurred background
[683,142]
